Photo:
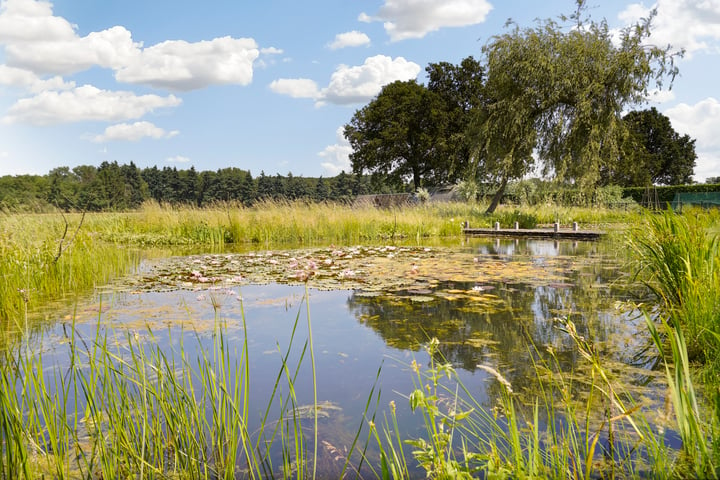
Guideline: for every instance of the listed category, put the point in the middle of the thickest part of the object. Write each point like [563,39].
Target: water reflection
[506,321]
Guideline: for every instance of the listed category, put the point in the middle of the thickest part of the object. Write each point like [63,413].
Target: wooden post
[575,226]
[497,226]
[557,226]
[517,225]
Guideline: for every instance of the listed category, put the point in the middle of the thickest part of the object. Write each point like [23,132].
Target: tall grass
[679,261]
[677,258]
[581,425]
[125,408]
[277,222]
[42,260]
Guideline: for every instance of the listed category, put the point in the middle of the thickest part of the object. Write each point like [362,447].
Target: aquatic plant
[124,407]
[679,261]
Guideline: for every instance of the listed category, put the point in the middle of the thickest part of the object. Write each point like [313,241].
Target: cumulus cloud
[295,87]
[403,19]
[133,132]
[27,80]
[38,41]
[180,65]
[23,20]
[690,24]
[349,39]
[111,48]
[661,96]
[85,103]
[177,159]
[350,85]
[337,156]
[700,121]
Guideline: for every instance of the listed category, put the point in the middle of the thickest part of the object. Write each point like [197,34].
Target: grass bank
[275,223]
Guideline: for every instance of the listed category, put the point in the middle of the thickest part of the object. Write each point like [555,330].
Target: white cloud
[180,65]
[133,132]
[38,41]
[337,156]
[701,122]
[405,19]
[661,96]
[349,39]
[350,85]
[177,159]
[27,80]
[271,51]
[85,103]
[295,87]
[23,20]
[690,24]
[111,48]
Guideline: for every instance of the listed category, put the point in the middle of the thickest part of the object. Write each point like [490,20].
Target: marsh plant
[125,408]
[581,425]
[679,261]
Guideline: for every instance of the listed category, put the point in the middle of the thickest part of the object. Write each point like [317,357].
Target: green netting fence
[701,199]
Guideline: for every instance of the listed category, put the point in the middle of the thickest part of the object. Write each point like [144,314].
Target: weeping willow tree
[555,93]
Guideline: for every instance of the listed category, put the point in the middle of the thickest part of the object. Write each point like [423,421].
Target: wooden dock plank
[535,232]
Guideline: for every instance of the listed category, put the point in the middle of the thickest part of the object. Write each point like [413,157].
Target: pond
[498,307]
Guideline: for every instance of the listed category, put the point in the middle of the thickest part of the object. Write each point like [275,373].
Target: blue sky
[267,85]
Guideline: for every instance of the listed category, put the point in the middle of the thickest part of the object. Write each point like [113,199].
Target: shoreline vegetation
[82,421]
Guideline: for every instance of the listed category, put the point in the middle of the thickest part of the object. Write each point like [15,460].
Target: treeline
[112,186]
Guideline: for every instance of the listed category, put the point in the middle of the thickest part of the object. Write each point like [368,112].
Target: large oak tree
[410,132]
[652,153]
[399,135]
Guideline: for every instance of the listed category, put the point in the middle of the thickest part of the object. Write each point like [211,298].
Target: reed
[601,434]
[124,407]
[282,222]
[679,261]
[46,257]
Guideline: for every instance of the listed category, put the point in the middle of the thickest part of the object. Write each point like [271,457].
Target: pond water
[490,302]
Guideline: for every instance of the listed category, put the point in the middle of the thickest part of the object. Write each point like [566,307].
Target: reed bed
[277,222]
[679,261]
[47,257]
[122,407]
[677,257]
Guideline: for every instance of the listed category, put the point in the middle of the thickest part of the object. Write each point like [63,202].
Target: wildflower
[392,406]
[372,424]
[415,367]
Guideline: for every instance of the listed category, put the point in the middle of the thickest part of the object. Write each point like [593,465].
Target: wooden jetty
[573,233]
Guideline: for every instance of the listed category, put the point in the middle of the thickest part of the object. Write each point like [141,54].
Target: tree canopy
[411,132]
[556,93]
[652,153]
[398,134]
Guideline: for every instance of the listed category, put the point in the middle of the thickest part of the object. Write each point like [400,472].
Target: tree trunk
[497,197]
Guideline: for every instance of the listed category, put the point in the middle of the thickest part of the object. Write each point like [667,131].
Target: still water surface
[490,302]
